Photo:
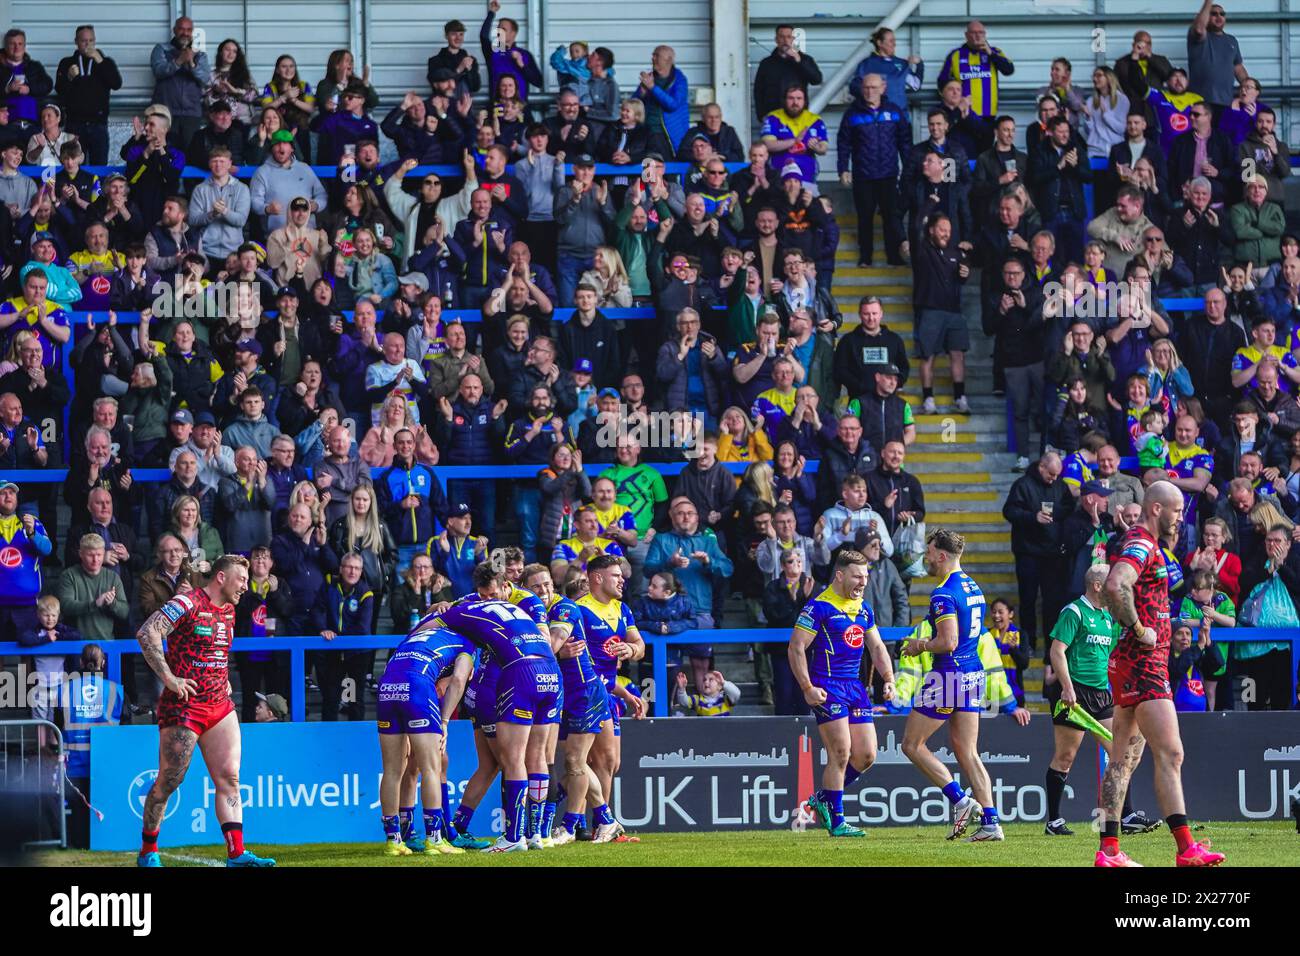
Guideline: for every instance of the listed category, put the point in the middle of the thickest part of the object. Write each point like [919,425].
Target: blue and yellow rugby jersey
[506,632]
[604,626]
[531,604]
[839,627]
[978,73]
[432,652]
[570,548]
[565,615]
[1250,355]
[961,599]
[1184,462]
[1075,471]
[618,516]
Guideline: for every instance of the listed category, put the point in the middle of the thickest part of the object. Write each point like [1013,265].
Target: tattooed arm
[1119,599]
[151,636]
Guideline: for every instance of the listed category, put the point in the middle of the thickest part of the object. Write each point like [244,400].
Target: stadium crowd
[294,368]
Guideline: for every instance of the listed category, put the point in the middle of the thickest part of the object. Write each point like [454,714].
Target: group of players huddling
[535,669]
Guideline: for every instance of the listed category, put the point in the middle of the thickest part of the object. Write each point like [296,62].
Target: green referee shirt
[1089,634]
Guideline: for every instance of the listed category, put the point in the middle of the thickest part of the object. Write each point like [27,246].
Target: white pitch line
[199,860]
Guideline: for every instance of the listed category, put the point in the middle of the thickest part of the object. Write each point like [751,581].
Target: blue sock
[571,821]
[835,800]
[406,818]
[602,814]
[516,793]
[434,822]
[953,791]
[448,797]
[990,817]
[851,773]
[548,819]
[464,814]
[392,829]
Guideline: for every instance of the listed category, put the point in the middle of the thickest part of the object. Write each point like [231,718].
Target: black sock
[1110,830]
[958,390]
[927,392]
[1176,820]
[1055,789]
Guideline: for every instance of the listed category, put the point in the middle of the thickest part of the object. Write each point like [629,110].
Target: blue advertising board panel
[319,782]
[301,783]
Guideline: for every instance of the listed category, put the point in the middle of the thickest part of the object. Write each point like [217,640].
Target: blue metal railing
[299,647]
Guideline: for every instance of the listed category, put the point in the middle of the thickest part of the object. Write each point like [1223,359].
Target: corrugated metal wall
[1032,44]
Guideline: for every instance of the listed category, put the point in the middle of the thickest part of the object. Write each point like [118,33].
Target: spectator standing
[1058,171]
[693,556]
[977,65]
[1139,71]
[303,557]
[939,269]
[874,139]
[24,80]
[345,606]
[278,182]
[1201,236]
[1001,165]
[25,542]
[665,91]
[1037,507]
[503,56]
[245,501]
[1213,57]
[1271,156]
[181,74]
[785,67]
[901,76]
[583,212]
[85,82]
[898,494]
[1105,113]
[1203,151]
[89,700]
[783,600]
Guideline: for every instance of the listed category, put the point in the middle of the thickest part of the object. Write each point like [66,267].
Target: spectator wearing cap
[281,179]
[214,459]
[219,206]
[61,287]
[588,334]
[222,129]
[583,212]
[456,60]
[269,709]
[1085,533]
[455,552]
[404,311]
[153,168]
[345,127]
[176,432]
[885,415]
[802,219]
[297,251]
[23,542]
[117,211]
[181,74]
[246,371]
[84,82]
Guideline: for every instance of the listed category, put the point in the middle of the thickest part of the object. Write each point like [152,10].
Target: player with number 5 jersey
[953,691]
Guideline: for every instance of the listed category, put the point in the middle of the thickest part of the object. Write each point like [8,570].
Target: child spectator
[585,391]
[573,72]
[1188,659]
[716,698]
[1204,600]
[666,609]
[1015,656]
[1127,418]
[48,667]
[1150,444]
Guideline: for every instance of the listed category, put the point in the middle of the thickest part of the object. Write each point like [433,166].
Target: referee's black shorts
[1096,702]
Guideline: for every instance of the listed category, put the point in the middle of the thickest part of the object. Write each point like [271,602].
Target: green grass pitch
[1246,844]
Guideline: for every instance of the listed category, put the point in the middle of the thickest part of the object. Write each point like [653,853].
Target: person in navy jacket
[874,139]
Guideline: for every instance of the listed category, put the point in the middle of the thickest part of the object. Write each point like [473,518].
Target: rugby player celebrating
[837,625]
[195,705]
